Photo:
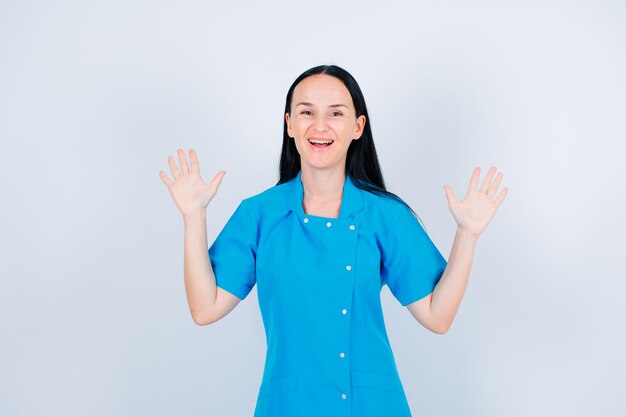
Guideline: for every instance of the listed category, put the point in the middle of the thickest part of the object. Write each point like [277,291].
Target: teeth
[320,142]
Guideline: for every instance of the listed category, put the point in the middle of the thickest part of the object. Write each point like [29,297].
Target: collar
[351,202]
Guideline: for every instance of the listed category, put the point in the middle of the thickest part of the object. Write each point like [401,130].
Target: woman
[320,244]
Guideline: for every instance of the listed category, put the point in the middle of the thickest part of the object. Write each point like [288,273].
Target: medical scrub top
[318,284]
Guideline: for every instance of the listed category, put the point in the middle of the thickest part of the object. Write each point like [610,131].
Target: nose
[320,125]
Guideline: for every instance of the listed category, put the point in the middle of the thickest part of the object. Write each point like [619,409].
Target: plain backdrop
[94,95]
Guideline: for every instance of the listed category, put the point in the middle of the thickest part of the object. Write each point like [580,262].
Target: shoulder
[389,215]
[272,199]
[386,206]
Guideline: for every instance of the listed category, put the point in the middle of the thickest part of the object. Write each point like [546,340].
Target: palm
[195,191]
[474,212]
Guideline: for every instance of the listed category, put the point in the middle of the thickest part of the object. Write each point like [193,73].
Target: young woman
[320,245]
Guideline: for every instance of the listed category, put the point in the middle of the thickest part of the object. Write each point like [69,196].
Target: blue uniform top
[319,281]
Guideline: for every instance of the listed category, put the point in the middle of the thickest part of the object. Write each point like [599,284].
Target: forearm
[200,284]
[450,289]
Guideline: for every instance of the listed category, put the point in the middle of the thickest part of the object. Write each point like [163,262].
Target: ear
[289,132]
[358,130]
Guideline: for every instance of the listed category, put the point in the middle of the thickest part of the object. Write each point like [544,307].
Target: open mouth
[321,143]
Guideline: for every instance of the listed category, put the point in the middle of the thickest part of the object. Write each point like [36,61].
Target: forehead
[322,89]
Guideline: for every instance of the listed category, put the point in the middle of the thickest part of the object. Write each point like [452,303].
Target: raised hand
[190,193]
[474,212]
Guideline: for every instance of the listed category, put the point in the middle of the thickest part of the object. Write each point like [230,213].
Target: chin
[321,165]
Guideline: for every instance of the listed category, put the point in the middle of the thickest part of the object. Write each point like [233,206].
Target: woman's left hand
[474,212]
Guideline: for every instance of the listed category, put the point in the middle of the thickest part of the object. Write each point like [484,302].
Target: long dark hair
[361,161]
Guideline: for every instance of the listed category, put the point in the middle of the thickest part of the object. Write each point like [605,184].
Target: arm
[437,310]
[207,302]
[472,215]
[192,196]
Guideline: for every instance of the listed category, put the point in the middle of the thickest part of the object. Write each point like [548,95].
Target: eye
[305,111]
[339,113]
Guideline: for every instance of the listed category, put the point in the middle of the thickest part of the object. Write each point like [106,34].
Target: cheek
[301,129]
[343,128]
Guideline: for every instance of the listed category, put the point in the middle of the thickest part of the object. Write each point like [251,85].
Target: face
[322,111]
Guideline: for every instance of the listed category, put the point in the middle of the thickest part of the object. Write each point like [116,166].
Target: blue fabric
[319,281]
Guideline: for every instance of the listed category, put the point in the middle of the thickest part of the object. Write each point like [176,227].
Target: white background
[95,95]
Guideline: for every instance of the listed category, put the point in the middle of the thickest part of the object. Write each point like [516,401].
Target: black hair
[361,161]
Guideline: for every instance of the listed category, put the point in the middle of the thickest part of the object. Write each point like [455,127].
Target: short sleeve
[233,254]
[411,264]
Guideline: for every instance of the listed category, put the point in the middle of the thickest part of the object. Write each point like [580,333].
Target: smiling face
[323,122]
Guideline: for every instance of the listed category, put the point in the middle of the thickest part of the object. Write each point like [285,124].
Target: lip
[320,148]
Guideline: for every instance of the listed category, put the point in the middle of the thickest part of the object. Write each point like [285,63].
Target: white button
[348,267]
[344,396]
[328,224]
[341,355]
[306,219]
[344,311]
[351,227]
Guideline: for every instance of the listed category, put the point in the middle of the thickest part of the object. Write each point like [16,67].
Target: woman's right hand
[190,193]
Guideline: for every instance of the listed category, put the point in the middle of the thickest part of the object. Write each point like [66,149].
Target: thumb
[217,179]
[452,201]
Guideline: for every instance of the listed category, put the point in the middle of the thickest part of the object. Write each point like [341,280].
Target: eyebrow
[303,103]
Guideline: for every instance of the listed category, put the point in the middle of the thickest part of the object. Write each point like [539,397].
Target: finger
[195,165]
[495,185]
[474,180]
[165,180]
[452,201]
[501,196]
[488,179]
[217,180]
[183,162]
[173,167]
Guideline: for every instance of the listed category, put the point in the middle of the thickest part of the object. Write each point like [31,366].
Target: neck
[323,185]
